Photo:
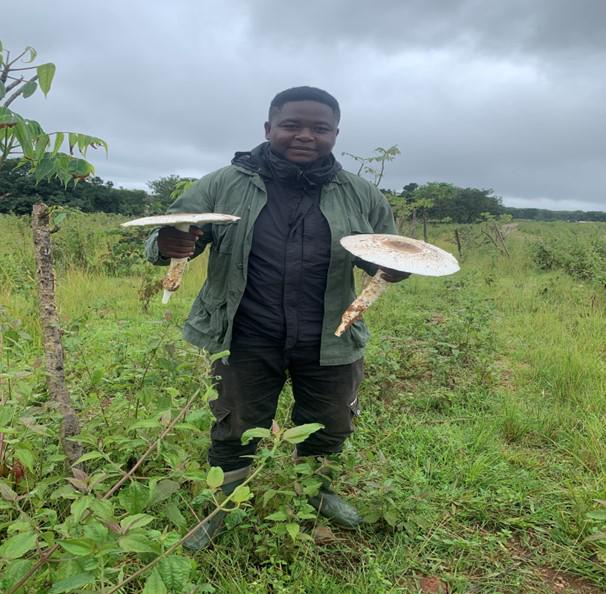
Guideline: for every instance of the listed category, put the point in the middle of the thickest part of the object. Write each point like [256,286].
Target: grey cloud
[507,95]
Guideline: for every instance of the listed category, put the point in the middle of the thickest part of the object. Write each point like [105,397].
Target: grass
[482,430]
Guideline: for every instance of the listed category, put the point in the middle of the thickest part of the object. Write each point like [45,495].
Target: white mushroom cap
[401,253]
[181,218]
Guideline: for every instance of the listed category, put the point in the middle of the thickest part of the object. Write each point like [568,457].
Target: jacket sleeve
[381,220]
[381,215]
[197,198]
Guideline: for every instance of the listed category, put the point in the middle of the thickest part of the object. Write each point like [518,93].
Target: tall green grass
[482,430]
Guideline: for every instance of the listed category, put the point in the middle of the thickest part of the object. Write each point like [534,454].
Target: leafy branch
[49,155]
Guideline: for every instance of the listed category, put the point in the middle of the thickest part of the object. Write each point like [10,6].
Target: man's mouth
[302,149]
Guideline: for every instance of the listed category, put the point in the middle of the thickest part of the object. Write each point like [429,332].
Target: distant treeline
[541,214]
[432,201]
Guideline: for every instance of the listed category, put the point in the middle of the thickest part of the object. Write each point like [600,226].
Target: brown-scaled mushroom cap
[401,253]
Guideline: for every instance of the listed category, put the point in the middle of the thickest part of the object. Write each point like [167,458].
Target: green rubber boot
[327,502]
[214,526]
[331,506]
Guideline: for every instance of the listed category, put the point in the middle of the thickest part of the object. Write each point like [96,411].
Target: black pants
[249,385]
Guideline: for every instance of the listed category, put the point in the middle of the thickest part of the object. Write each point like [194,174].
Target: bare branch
[15,82]
[18,92]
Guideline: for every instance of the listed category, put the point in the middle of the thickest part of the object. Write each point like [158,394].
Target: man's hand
[393,276]
[173,243]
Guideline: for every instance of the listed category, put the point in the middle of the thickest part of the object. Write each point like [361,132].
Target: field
[479,458]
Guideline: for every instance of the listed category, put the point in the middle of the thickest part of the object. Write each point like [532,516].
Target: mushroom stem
[172,280]
[372,291]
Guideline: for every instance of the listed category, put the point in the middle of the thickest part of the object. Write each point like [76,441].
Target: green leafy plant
[25,138]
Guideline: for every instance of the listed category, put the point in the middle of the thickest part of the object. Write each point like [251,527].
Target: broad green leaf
[163,490]
[268,496]
[72,583]
[242,494]
[391,517]
[301,433]
[73,141]
[175,516]
[14,571]
[175,571]
[23,134]
[214,478]
[79,506]
[145,424]
[134,498]
[46,72]
[136,542]
[45,168]
[96,532]
[16,546]
[103,509]
[279,516]
[59,137]
[154,584]
[253,433]
[81,547]
[97,375]
[293,530]
[7,493]
[90,455]
[29,88]
[32,54]
[136,521]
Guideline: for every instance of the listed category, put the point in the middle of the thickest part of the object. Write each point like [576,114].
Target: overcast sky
[501,94]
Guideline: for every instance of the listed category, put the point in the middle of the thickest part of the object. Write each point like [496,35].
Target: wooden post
[53,348]
[458,240]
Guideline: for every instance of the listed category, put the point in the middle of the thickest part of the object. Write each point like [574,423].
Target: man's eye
[289,126]
[322,130]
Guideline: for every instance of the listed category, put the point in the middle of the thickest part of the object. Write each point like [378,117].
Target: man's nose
[305,134]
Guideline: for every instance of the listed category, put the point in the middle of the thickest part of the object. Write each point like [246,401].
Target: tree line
[434,201]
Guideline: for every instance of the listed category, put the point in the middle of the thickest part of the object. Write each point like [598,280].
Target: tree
[164,191]
[25,138]
[374,166]
[19,191]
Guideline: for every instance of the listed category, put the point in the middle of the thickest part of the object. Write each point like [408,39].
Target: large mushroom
[182,222]
[398,253]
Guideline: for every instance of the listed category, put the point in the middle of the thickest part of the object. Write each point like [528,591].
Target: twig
[193,530]
[44,557]
[18,92]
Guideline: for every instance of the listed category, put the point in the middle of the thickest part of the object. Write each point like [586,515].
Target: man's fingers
[173,243]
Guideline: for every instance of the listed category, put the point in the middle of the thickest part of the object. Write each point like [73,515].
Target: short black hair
[303,94]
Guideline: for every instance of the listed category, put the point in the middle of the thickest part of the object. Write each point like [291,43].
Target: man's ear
[267,127]
[337,132]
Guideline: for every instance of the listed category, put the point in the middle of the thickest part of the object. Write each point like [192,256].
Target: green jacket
[350,204]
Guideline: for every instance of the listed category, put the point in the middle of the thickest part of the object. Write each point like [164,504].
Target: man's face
[302,131]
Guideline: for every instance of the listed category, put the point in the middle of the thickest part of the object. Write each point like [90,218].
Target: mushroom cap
[401,253]
[183,217]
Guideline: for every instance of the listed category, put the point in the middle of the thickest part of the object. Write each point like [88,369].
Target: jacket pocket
[359,333]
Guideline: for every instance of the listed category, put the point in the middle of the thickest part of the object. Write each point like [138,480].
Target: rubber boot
[336,509]
[214,526]
[330,505]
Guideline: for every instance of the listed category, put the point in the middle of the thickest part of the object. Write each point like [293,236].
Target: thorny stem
[45,555]
[217,509]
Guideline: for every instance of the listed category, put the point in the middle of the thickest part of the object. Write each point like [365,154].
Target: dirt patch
[557,582]
[563,583]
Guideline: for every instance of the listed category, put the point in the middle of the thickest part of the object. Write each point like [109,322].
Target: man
[278,282]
